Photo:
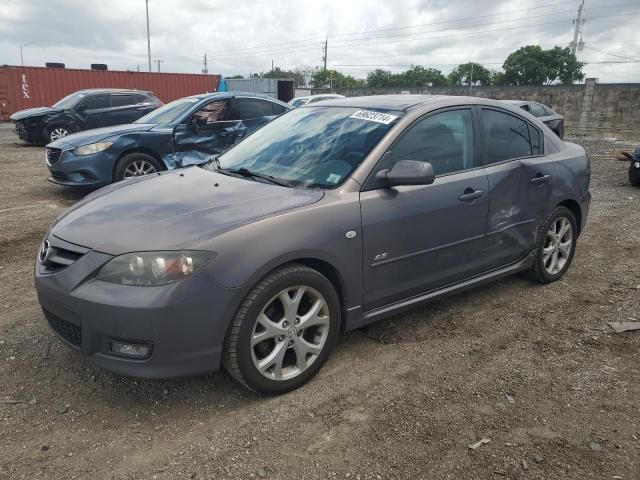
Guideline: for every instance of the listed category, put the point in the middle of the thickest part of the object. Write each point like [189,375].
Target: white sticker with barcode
[371,116]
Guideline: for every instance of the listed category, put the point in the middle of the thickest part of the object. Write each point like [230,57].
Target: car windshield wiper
[245,172]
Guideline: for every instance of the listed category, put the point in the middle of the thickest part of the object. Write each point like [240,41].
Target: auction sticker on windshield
[374,116]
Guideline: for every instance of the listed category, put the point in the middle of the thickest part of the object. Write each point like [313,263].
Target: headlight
[150,269]
[92,148]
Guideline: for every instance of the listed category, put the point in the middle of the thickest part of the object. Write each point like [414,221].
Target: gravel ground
[533,368]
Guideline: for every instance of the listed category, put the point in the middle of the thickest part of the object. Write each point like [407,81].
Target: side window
[141,98]
[537,110]
[248,108]
[122,100]
[211,113]
[505,136]
[96,102]
[445,140]
[277,109]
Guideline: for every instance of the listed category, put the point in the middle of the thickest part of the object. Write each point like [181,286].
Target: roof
[112,90]
[514,102]
[208,96]
[391,102]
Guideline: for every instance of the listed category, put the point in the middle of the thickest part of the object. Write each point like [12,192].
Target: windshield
[311,146]
[170,113]
[69,100]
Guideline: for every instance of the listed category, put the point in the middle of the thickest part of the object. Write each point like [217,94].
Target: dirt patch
[532,368]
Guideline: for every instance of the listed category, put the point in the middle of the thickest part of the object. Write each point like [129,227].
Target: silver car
[327,219]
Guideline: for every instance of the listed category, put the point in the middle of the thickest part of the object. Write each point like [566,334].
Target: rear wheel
[284,330]
[634,174]
[135,165]
[556,246]
[57,132]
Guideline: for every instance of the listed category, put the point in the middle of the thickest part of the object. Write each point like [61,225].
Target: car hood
[34,112]
[172,210]
[97,134]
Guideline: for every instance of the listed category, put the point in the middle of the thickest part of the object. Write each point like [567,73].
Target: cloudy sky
[247,35]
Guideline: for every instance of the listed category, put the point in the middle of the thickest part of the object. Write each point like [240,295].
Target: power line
[476,32]
[612,54]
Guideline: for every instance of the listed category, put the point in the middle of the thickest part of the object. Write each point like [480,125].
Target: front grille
[56,254]
[60,176]
[53,155]
[70,332]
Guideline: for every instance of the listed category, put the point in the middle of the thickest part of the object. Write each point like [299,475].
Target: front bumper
[184,323]
[89,171]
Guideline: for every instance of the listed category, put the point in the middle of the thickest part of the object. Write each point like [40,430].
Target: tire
[281,342]
[552,249]
[134,165]
[634,174]
[56,132]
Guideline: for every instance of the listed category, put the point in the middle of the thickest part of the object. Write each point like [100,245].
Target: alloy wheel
[58,132]
[290,333]
[557,245]
[138,168]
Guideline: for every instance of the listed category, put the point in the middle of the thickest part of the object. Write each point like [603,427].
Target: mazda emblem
[45,251]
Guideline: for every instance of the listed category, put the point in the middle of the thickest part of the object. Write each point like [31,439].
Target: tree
[470,73]
[498,78]
[298,78]
[234,77]
[531,65]
[379,78]
[334,79]
[418,76]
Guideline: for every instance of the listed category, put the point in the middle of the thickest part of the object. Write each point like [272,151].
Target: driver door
[95,112]
[207,132]
[420,238]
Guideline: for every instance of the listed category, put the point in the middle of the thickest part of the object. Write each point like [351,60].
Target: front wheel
[634,174]
[556,246]
[58,132]
[135,165]
[284,330]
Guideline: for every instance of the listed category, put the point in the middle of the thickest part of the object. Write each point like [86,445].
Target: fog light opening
[130,350]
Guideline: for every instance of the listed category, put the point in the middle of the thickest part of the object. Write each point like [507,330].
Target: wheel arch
[137,149]
[574,207]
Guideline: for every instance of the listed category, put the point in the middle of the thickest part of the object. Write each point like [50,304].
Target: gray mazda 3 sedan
[329,218]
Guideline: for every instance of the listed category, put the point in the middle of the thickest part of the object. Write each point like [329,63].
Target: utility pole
[324,52]
[205,70]
[21,47]
[575,45]
[272,64]
[159,61]
[471,79]
[149,37]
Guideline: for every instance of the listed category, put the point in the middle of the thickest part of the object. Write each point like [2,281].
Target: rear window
[537,110]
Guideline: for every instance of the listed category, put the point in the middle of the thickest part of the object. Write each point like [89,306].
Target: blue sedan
[185,132]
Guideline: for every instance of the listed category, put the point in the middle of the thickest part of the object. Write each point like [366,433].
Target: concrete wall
[594,109]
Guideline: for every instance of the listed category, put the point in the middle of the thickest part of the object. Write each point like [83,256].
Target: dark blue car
[184,132]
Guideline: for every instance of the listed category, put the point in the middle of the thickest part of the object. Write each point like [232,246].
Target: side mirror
[196,123]
[408,172]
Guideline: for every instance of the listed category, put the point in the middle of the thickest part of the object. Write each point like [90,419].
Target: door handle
[470,195]
[540,179]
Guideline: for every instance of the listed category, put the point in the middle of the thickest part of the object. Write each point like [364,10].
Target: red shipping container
[28,87]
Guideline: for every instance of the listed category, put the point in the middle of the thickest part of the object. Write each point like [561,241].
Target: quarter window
[445,140]
[505,136]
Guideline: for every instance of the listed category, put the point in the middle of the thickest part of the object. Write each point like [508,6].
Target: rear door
[123,108]
[419,238]
[95,111]
[252,113]
[520,180]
